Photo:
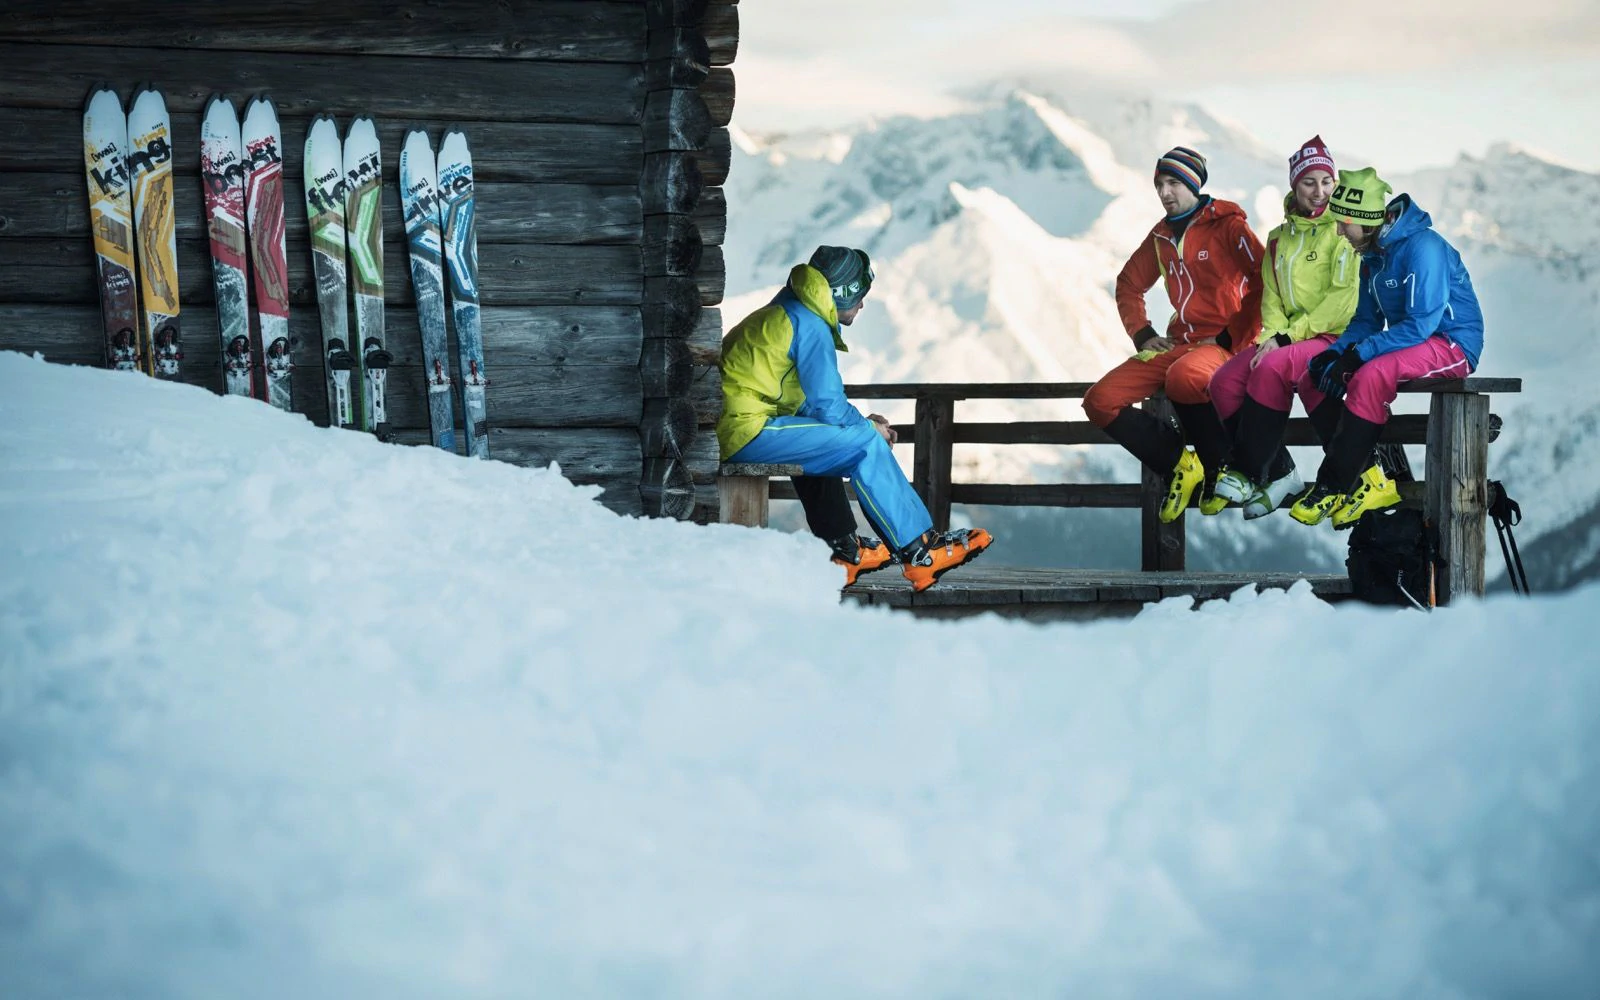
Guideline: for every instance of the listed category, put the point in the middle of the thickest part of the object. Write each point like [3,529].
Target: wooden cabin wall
[554,97]
[687,149]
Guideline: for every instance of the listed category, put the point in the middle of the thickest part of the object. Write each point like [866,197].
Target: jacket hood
[1219,209]
[1213,210]
[809,286]
[1412,221]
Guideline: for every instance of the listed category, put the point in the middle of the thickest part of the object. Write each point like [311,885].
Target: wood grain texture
[474,90]
[705,345]
[705,394]
[672,246]
[512,335]
[1404,428]
[585,454]
[1457,500]
[721,29]
[555,30]
[1075,390]
[54,205]
[710,215]
[671,307]
[931,464]
[667,427]
[711,276]
[743,501]
[501,151]
[718,91]
[671,184]
[666,368]
[983,587]
[666,489]
[676,121]
[716,158]
[676,58]
[63,272]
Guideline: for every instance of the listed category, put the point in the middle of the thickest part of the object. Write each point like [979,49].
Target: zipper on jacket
[1181,270]
[1289,268]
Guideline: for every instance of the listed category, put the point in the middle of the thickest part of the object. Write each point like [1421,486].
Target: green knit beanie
[1359,197]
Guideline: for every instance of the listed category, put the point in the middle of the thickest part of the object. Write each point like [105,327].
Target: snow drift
[287,712]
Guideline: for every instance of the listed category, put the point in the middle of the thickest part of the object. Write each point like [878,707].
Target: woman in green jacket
[1311,281]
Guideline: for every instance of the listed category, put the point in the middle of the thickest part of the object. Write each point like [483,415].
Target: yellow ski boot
[1315,504]
[1374,491]
[1187,476]
[1211,503]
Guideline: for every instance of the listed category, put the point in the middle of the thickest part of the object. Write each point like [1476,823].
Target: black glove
[1319,366]
[1332,370]
[1143,334]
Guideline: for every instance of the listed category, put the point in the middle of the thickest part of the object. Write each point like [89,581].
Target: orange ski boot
[859,555]
[937,553]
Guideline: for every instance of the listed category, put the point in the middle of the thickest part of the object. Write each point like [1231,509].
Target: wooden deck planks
[978,588]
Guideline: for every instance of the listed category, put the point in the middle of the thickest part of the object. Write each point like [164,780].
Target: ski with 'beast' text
[105,161]
[363,228]
[269,265]
[419,204]
[222,174]
[460,234]
[325,197]
[155,228]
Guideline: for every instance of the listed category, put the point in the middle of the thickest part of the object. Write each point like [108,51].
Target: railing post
[931,459]
[1457,492]
[1161,546]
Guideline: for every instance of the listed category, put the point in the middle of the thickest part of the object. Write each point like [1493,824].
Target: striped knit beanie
[1184,164]
[1313,155]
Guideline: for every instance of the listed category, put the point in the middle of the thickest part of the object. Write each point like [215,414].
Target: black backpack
[1394,558]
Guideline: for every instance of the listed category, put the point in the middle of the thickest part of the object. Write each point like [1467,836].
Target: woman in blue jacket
[1417,317]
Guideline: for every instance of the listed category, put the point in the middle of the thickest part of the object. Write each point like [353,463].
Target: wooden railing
[1454,490]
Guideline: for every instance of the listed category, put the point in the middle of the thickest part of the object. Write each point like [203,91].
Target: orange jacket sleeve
[1247,253]
[1136,277]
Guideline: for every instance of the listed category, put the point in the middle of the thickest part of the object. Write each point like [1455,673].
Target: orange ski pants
[1183,372]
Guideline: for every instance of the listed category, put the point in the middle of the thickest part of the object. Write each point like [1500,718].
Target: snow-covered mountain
[997,233]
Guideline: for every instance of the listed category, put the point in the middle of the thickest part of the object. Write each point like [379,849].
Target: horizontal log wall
[555,99]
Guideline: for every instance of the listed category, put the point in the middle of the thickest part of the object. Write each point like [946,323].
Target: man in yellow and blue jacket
[783,401]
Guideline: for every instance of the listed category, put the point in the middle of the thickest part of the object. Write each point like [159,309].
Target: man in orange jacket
[1210,261]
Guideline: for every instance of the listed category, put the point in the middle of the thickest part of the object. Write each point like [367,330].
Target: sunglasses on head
[851,289]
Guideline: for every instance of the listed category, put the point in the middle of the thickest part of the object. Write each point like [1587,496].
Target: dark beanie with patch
[848,273]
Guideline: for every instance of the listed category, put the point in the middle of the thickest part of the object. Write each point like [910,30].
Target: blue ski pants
[858,452]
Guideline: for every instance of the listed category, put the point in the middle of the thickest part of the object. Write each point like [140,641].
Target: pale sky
[1409,82]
